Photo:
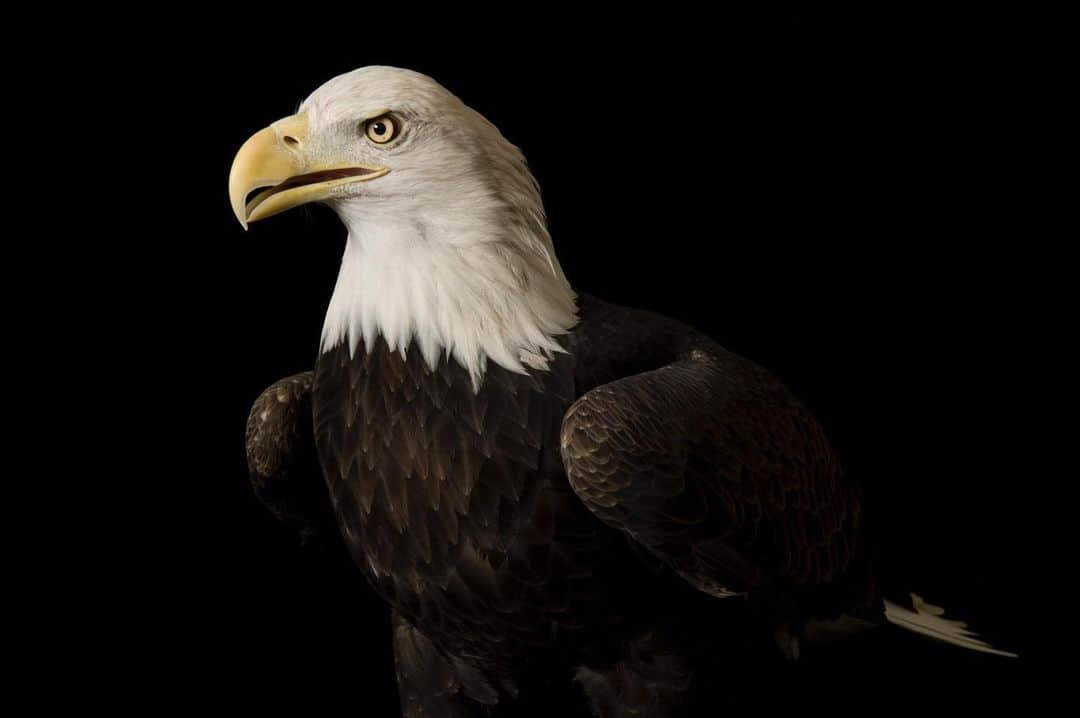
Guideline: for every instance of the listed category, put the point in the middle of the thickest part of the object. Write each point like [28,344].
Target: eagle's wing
[281,458]
[709,462]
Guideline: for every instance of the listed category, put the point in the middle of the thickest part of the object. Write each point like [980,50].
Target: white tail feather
[929,620]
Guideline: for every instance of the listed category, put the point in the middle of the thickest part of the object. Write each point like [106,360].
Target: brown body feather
[511,527]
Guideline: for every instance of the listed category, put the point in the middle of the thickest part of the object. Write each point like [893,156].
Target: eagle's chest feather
[440,489]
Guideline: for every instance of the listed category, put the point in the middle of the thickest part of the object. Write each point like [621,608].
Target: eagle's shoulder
[611,341]
[280,448]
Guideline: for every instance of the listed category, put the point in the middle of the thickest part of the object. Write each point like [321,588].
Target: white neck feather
[474,291]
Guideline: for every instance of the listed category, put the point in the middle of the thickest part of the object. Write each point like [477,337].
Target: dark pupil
[380,128]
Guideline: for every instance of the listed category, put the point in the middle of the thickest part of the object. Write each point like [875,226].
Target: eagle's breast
[451,498]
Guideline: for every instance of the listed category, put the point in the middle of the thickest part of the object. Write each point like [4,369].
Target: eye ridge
[382,129]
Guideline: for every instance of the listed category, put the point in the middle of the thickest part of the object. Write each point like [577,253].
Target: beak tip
[240,212]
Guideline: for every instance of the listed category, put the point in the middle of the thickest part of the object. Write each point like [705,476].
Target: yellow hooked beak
[275,158]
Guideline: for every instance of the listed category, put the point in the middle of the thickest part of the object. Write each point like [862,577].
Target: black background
[840,200]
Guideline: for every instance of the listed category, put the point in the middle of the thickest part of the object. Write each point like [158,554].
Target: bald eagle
[508,462]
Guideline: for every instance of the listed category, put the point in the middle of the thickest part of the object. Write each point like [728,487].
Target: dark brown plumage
[281,458]
[513,528]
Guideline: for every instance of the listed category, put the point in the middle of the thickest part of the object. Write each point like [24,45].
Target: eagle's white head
[448,247]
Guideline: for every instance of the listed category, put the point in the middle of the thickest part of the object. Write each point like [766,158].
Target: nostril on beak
[291,141]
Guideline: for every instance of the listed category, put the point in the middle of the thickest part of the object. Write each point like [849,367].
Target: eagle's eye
[381,129]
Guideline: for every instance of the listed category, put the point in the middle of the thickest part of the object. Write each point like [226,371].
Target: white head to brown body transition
[447,249]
